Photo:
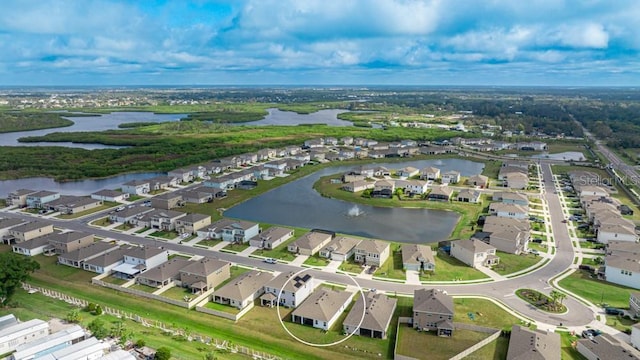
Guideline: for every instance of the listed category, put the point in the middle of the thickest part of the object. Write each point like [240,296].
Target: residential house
[436,150]
[292,290]
[129,215]
[104,263]
[478,180]
[433,311]
[90,348]
[469,196]
[184,175]
[266,154]
[591,190]
[430,173]
[277,167]
[160,219]
[606,346]
[440,193]
[224,182]
[372,252]
[110,195]
[80,256]
[505,170]
[63,243]
[378,311]
[622,264]
[474,253]
[506,234]
[313,143]
[163,274]
[272,237]
[136,187]
[19,333]
[347,140]
[231,230]
[407,172]
[341,248]
[380,171]
[451,177]
[29,231]
[618,232]
[509,197]
[352,176]
[516,164]
[310,243]
[243,290]
[418,257]
[5,225]
[525,343]
[19,197]
[516,180]
[204,274]
[167,201]
[33,247]
[531,146]
[347,153]
[139,259]
[384,188]
[413,187]
[250,158]
[68,204]
[357,186]
[322,308]
[191,223]
[509,210]
[38,199]
[163,182]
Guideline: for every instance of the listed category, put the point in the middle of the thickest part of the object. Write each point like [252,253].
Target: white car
[270,260]
[120,208]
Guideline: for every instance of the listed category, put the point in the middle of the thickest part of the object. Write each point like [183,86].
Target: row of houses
[161,219]
[341,248]
[514,174]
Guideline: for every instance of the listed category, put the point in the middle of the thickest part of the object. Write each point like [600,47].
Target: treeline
[617,123]
[11,121]
[163,148]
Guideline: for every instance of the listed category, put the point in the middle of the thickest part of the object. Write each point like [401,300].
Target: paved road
[578,314]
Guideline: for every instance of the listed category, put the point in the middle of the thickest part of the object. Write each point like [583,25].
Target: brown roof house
[295,289]
[271,238]
[5,225]
[243,290]
[310,243]
[440,193]
[527,344]
[19,197]
[191,223]
[29,231]
[607,347]
[204,274]
[372,252]
[478,180]
[167,201]
[163,274]
[468,196]
[341,248]
[474,253]
[418,257]
[67,204]
[507,234]
[78,257]
[69,241]
[378,313]
[433,311]
[322,308]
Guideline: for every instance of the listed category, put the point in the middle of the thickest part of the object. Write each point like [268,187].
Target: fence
[219,344]
[222,314]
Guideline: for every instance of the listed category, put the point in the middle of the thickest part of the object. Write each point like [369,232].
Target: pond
[298,204]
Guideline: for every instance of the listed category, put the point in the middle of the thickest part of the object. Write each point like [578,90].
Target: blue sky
[320,42]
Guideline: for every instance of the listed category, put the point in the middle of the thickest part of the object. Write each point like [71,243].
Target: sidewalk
[413,277]
[248,251]
[492,274]
[299,260]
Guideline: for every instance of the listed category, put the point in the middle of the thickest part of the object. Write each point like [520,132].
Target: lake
[297,204]
[290,118]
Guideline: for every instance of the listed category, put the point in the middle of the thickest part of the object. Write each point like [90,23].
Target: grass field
[567,351]
[510,263]
[486,313]
[413,343]
[597,291]
[392,268]
[351,266]
[495,350]
[101,222]
[449,268]
[177,293]
[209,242]
[316,260]
[169,235]
[236,247]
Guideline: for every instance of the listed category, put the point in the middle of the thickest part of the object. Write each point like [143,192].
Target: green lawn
[236,247]
[281,252]
[510,263]
[178,293]
[495,350]
[351,266]
[221,307]
[140,231]
[142,287]
[102,207]
[620,323]
[169,235]
[413,343]
[449,268]
[102,222]
[597,291]
[316,260]
[209,242]
[567,351]
[114,280]
[485,313]
[392,268]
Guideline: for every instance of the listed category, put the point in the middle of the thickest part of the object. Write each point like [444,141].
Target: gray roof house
[417,257]
[433,311]
[243,290]
[341,248]
[527,344]
[606,347]
[272,237]
[310,243]
[77,257]
[164,273]
[295,289]
[378,313]
[322,308]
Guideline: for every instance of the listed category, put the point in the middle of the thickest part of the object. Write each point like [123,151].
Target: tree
[98,328]
[163,353]
[73,316]
[15,270]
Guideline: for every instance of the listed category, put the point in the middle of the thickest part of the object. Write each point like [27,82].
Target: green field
[413,343]
[597,291]
[511,263]
[449,268]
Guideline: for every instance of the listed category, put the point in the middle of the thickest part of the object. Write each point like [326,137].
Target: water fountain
[354,211]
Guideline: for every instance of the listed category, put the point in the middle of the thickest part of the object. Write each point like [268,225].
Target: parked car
[613,311]
[270,260]
[537,240]
[120,208]
[591,333]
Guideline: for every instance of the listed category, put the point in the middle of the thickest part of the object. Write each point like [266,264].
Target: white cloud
[584,35]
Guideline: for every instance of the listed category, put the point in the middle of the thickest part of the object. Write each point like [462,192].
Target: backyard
[449,268]
[413,343]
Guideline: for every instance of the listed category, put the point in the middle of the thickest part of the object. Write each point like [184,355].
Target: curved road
[504,291]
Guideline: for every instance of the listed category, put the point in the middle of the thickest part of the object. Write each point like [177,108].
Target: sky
[320,42]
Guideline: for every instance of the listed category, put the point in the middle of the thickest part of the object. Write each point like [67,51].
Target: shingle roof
[88,251]
[378,312]
[68,237]
[432,301]
[322,304]
[204,266]
[244,285]
[9,222]
[30,226]
[311,240]
[290,284]
[474,245]
[165,271]
[373,246]
[526,344]
[411,253]
[144,252]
